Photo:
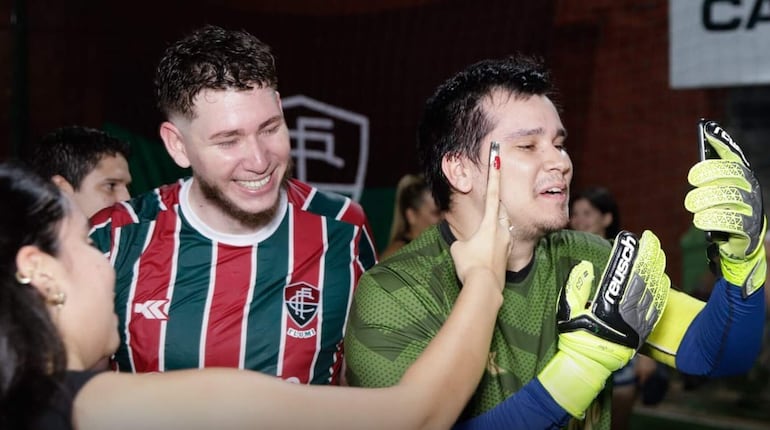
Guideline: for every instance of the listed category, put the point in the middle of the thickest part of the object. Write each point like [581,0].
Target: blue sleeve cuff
[529,408]
[726,336]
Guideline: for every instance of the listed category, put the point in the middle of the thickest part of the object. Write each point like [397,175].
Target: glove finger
[724,198]
[646,296]
[719,172]
[724,144]
[727,221]
[652,269]
[578,288]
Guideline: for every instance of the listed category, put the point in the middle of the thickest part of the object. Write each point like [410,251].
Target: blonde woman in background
[414,211]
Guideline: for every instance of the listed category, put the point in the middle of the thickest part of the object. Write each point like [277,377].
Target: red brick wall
[634,134]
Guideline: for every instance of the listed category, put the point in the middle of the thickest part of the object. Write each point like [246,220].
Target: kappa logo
[152,309]
[301,301]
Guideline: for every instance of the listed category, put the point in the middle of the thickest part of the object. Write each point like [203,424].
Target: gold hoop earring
[23,280]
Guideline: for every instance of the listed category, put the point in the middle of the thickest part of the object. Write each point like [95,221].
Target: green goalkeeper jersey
[401,304]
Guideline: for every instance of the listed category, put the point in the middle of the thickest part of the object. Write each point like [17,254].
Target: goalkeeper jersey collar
[510,276]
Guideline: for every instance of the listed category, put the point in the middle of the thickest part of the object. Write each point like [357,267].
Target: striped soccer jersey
[275,301]
[401,304]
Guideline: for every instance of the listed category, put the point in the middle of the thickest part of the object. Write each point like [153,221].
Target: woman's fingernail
[494,155]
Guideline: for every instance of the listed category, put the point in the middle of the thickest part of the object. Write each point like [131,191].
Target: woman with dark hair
[594,210]
[57,320]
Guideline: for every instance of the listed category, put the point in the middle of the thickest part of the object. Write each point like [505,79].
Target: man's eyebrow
[226,133]
[117,179]
[239,132]
[270,121]
[525,132]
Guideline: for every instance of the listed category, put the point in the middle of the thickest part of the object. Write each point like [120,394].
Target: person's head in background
[218,91]
[414,211]
[88,164]
[56,294]
[595,210]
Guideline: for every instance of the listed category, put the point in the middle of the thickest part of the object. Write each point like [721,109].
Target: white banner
[718,43]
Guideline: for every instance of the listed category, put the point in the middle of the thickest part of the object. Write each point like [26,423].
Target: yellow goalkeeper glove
[727,200]
[597,340]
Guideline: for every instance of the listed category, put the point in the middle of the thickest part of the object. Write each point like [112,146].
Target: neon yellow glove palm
[597,340]
[728,200]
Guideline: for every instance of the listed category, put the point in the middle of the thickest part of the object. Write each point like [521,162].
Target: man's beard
[541,227]
[252,220]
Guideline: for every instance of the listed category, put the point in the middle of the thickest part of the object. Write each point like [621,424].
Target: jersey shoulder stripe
[126,222]
[326,204]
[336,208]
[142,208]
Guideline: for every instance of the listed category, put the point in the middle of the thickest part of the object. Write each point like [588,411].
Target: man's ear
[458,171]
[411,217]
[63,184]
[173,140]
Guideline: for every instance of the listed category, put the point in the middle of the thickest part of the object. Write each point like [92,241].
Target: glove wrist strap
[573,381]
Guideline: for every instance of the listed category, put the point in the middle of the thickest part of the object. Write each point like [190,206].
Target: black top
[58,415]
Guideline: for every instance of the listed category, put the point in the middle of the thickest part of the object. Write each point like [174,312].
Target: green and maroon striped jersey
[275,301]
[401,304]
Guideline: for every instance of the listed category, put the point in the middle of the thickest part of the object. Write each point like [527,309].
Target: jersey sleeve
[106,227]
[388,328]
[718,338]
[367,251]
[101,230]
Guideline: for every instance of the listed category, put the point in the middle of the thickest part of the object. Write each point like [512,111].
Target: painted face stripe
[230,289]
[302,298]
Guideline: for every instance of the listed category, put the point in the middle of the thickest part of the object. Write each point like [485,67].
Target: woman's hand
[486,252]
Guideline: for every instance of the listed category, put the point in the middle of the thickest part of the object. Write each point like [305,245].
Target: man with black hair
[551,354]
[88,164]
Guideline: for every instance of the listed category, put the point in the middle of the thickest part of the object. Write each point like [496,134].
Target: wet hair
[32,356]
[211,58]
[73,152]
[604,202]
[454,121]
[410,193]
